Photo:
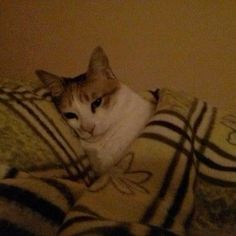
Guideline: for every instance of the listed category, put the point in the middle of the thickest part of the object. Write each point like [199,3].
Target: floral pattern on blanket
[230,122]
[123,178]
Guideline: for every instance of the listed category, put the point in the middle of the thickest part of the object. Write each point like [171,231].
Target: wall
[187,45]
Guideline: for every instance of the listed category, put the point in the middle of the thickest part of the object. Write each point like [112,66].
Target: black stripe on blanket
[217,149]
[62,188]
[179,197]
[37,204]
[165,140]
[118,230]
[200,117]
[153,207]
[11,173]
[219,182]
[155,231]
[170,126]
[9,229]
[204,160]
[175,114]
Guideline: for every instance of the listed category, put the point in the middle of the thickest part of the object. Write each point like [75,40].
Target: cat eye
[70,115]
[96,104]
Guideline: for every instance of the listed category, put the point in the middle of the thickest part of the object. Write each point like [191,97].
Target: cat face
[88,108]
[87,102]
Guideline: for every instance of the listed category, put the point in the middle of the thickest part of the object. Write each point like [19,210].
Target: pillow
[35,138]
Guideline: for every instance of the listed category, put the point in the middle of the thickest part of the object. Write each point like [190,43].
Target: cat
[105,113]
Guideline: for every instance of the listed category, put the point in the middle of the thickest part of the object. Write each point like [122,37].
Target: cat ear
[53,82]
[99,63]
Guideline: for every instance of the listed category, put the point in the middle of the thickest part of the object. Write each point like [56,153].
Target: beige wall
[187,45]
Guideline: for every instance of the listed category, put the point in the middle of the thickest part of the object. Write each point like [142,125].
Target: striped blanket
[160,187]
[35,138]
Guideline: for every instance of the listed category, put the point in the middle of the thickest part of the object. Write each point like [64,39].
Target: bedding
[35,138]
[184,160]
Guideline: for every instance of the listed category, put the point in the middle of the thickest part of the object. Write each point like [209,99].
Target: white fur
[116,128]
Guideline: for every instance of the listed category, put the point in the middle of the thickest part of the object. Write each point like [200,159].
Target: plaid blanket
[152,190]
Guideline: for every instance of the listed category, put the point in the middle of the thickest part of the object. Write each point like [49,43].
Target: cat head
[88,101]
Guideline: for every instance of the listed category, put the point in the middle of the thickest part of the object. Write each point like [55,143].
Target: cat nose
[88,128]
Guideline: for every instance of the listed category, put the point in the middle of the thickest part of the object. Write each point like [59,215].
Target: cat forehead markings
[72,93]
[86,91]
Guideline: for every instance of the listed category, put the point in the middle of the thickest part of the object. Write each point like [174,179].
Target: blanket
[160,186]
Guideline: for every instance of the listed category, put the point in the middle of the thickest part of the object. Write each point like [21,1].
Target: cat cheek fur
[105,119]
[100,128]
